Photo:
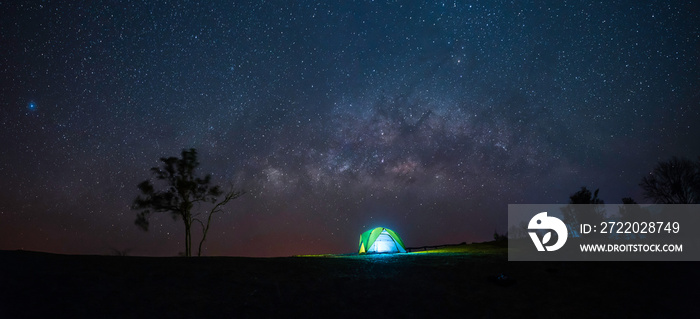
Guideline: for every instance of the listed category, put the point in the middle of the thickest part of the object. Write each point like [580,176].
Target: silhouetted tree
[628,201]
[183,190]
[676,181]
[119,252]
[632,212]
[518,231]
[499,237]
[576,214]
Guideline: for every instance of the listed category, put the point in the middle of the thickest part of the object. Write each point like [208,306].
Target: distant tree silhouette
[576,214]
[518,231]
[183,190]
[632,212]
[499,237]
[676,181]
[628,201]
[119,252]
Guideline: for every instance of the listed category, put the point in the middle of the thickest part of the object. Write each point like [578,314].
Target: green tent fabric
[381,240]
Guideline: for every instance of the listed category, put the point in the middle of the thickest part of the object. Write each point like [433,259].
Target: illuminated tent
[381,240]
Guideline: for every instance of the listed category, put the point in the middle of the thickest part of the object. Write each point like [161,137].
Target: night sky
[425,118]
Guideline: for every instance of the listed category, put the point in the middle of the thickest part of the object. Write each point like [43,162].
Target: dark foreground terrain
[465,284]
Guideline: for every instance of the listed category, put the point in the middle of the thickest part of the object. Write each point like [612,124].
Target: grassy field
[458,281]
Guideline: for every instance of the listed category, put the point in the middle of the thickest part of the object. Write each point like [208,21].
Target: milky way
[425,118]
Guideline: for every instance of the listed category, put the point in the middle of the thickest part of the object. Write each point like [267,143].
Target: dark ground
[41,285]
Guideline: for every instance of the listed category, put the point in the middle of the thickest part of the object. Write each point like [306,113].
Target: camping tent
[381,240]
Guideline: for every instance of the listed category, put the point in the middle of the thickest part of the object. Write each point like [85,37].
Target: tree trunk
[188,236]
[199,251]
[188,240]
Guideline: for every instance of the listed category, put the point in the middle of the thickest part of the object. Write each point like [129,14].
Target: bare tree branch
[676,181]
[231,195]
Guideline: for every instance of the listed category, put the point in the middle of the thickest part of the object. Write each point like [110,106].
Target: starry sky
[425,117]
